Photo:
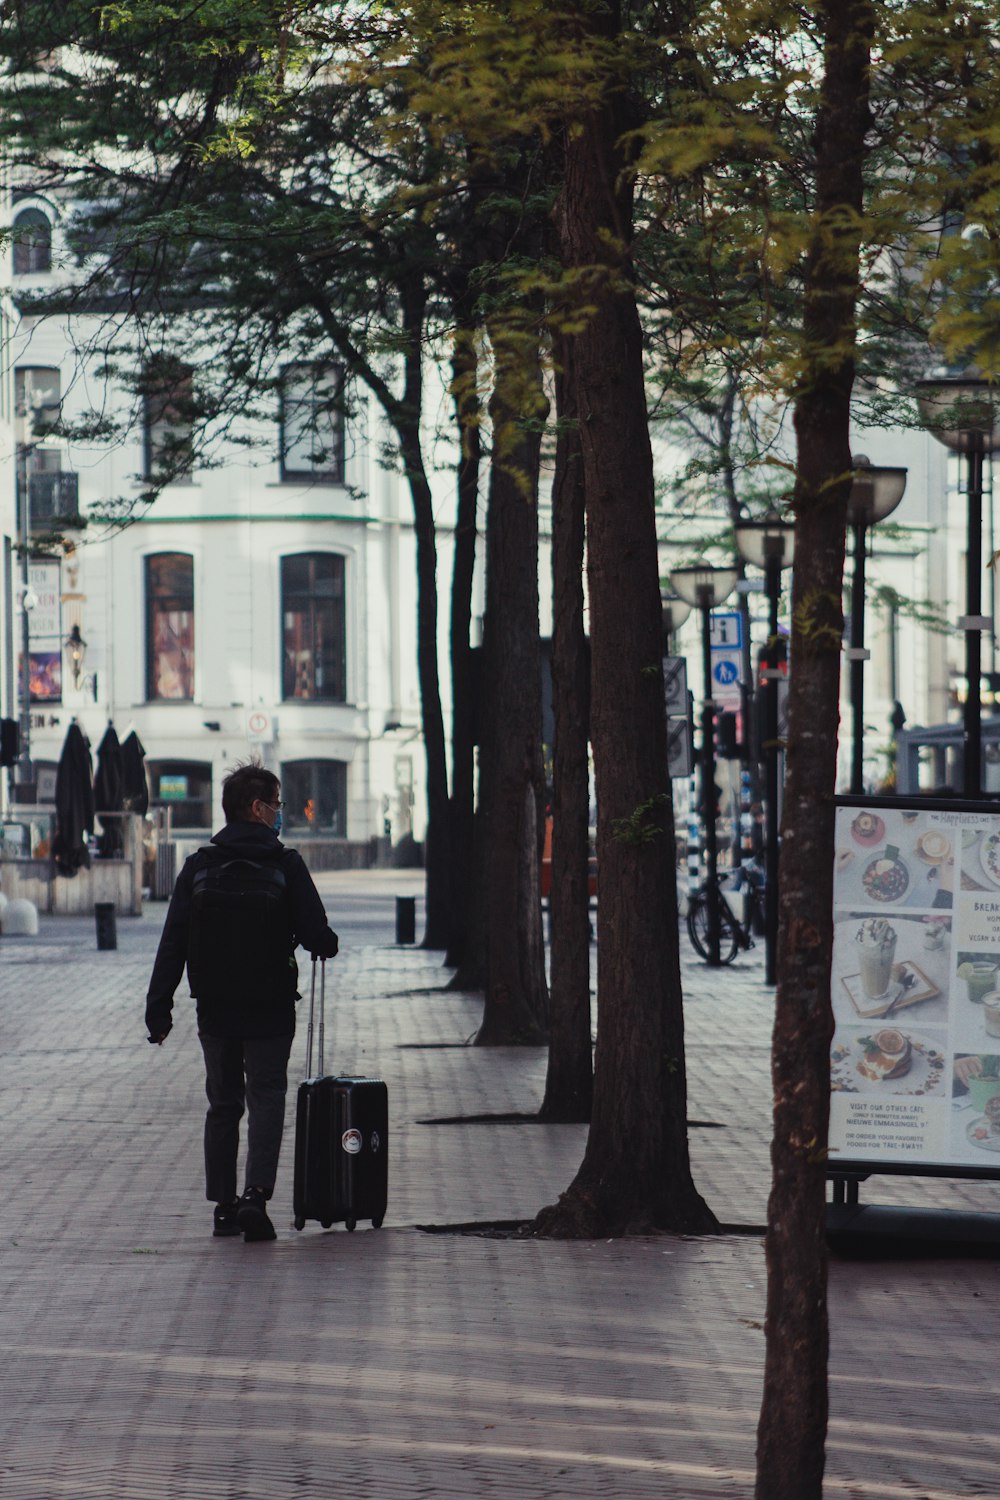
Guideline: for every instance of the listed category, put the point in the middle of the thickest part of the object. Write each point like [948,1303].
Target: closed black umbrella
[135,792]
[109,783]
[74,803]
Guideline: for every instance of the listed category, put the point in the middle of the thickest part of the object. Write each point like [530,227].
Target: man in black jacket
[239,908]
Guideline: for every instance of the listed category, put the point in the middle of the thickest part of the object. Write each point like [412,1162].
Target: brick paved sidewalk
[141,1358]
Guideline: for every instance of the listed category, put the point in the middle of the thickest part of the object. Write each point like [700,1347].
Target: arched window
[169,626]
[315,796]
[314,649]
[32,242]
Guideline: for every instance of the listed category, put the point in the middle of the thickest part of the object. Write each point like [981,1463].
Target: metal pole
[773,586]
[972,777]
[712,935]
[24,539]
[858,661]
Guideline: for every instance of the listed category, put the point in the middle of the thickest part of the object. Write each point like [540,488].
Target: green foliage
[306,161]
[643,825]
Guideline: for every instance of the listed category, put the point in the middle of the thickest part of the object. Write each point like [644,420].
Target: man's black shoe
[225,1220]
[251,1216]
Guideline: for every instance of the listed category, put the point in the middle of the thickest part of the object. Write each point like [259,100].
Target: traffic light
[774,654]
[10,742]
[713,810]
[727,743]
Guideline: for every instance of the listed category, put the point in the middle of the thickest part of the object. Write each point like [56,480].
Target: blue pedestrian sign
[726,672]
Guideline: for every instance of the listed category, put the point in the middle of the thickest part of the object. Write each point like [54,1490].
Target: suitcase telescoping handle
[312,1012]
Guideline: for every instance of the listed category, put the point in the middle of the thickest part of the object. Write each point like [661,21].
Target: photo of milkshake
[876,942]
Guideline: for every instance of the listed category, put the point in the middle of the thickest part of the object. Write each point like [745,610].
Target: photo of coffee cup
[980,978]
[876,942]
[933,846]
[934,935]
[991,1012]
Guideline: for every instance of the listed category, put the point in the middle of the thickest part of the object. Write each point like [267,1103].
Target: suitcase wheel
[326,1223]
[352,1224]
[300,1223]
[376,1223]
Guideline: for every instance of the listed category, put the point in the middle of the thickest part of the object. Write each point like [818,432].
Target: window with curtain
[167,420]
[170,626]
[32,242]
[314,647]
[312,423]
[315,796]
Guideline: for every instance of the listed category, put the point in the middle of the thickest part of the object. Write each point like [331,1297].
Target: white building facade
[264,605]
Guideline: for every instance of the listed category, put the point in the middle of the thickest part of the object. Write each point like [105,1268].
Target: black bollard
[406,919]
[104,913]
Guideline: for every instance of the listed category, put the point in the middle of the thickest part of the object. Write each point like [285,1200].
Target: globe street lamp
[962,410]
[704,588]
[674,612]
[875,493]
[769,544]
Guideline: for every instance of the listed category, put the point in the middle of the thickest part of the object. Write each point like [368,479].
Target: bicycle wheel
[697,926]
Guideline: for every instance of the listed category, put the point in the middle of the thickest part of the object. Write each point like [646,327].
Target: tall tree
[636,1172]
[792,1429]
[569,1077]
[204,158]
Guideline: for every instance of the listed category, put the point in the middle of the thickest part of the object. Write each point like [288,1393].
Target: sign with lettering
[915,1060]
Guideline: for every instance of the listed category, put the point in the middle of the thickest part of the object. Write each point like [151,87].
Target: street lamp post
[769,544]
[875,493]
[674,612]
[962,410]
[704,588]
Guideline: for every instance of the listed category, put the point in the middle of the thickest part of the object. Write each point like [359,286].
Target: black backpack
[240,938]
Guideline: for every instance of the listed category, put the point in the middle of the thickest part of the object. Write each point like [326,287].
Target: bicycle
[733,933]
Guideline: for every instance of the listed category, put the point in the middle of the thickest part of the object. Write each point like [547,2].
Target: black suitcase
[341,1140]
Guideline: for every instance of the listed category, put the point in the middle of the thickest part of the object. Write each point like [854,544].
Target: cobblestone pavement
[142,1360]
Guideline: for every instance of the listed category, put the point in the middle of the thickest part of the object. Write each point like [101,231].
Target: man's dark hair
[243,786]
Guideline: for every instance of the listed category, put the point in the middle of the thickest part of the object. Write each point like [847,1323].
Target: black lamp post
[962,410]
[875,493]
[770,544]
[704,588]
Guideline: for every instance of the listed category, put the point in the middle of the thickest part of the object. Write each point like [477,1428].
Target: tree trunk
[636,1174]
[464,367]
[510,752]
[437,862]
[569,1079]
[792,1428]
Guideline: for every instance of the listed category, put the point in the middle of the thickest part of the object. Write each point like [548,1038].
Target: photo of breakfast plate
[989,857]
[933,847]
[887,1053]
[887,879]
[886,1060]
[978,1132]
[868,828]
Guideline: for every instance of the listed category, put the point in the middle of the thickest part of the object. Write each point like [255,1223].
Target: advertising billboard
[915,986]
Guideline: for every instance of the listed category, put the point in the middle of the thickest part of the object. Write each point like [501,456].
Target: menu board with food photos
[915,981]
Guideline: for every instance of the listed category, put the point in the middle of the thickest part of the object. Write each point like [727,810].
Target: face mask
[276,825]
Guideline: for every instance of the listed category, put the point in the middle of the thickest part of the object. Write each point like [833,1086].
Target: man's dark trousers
[251,1073]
